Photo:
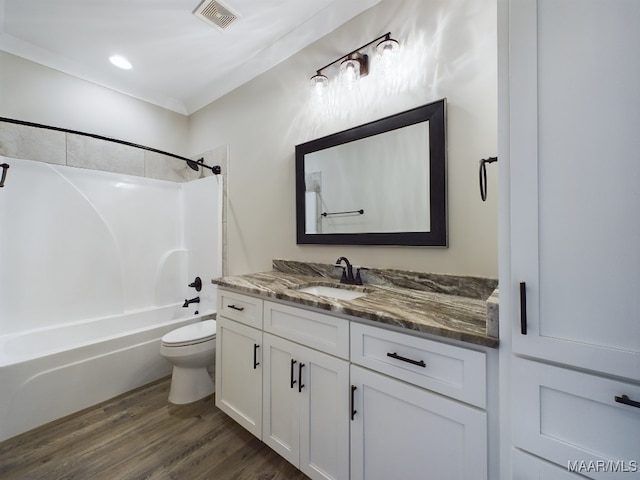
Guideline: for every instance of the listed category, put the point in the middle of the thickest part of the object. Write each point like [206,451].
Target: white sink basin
[333,292]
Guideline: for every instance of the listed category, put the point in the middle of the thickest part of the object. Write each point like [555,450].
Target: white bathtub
[48,373]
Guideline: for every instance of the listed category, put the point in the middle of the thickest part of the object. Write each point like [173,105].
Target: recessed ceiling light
[120,62]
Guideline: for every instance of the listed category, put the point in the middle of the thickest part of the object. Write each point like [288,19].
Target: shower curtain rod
[194,164]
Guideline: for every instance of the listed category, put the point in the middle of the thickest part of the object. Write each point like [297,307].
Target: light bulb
[350,69]
[319,84]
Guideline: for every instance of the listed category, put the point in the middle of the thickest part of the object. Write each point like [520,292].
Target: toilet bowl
[191,350]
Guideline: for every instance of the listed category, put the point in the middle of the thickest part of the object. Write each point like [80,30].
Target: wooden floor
[139,435]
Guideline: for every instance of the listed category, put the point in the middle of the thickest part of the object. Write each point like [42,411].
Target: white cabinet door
[239,373]
[306,406]
[575,176]
[401,431]
[281,400]
[324,416]
[576,420]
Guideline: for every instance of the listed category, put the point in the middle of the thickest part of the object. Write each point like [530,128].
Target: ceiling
[180,62]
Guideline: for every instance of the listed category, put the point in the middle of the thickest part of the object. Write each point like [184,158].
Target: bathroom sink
[332,292]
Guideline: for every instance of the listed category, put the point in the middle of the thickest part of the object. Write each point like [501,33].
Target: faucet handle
[343,279]
[197,284]
[358,280]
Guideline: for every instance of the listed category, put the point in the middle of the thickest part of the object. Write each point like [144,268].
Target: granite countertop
[457,307]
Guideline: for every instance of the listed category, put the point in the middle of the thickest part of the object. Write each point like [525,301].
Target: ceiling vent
[216,14]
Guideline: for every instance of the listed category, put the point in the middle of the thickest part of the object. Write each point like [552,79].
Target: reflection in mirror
[393,160]
[382,183]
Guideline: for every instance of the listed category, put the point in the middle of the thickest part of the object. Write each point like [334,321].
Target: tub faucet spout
[188,302]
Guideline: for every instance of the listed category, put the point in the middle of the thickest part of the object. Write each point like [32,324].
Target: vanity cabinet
[340,399]
[402,426]
[574,231]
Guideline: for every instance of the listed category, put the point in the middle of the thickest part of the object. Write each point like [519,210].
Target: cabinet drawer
[567,416]
[239,307]
[453,371]
[316,330]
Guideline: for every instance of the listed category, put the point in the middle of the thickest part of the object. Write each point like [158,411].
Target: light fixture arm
[386,36]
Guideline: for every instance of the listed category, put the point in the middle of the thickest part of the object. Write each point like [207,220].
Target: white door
[575,181]
[239,373]
[404,432]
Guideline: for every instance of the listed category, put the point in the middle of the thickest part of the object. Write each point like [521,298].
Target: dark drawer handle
[523,308]
[291,380]
[627,401]
[353,401]
[300,384]
[236,308]
[420,363]
[255,355]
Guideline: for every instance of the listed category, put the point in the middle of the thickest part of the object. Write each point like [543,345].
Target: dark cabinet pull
[523,308]
[300,384]
[353,401]
[236,308]
[420,363]
[627,401]
[293,382]
[255,355]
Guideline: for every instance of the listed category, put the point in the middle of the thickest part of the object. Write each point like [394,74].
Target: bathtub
[46,374]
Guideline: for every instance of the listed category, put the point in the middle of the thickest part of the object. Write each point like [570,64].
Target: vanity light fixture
[354,65]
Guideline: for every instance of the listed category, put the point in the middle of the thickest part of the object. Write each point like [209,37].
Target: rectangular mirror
[381,183]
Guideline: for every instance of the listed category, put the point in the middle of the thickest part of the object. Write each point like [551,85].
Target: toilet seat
[193,334]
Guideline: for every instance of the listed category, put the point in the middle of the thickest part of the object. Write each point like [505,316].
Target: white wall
[39,94]
[453,46]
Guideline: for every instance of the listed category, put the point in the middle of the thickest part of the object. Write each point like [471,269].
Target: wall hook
[483,176]
[5,167]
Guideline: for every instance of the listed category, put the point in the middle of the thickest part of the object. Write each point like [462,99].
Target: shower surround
[95,267]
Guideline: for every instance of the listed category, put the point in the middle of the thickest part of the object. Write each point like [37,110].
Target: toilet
[191,349]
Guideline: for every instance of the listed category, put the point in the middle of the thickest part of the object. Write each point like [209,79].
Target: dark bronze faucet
[347,272]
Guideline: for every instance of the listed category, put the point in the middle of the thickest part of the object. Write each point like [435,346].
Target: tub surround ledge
[458,307]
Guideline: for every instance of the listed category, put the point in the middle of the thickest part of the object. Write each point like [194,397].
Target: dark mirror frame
[435,113]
